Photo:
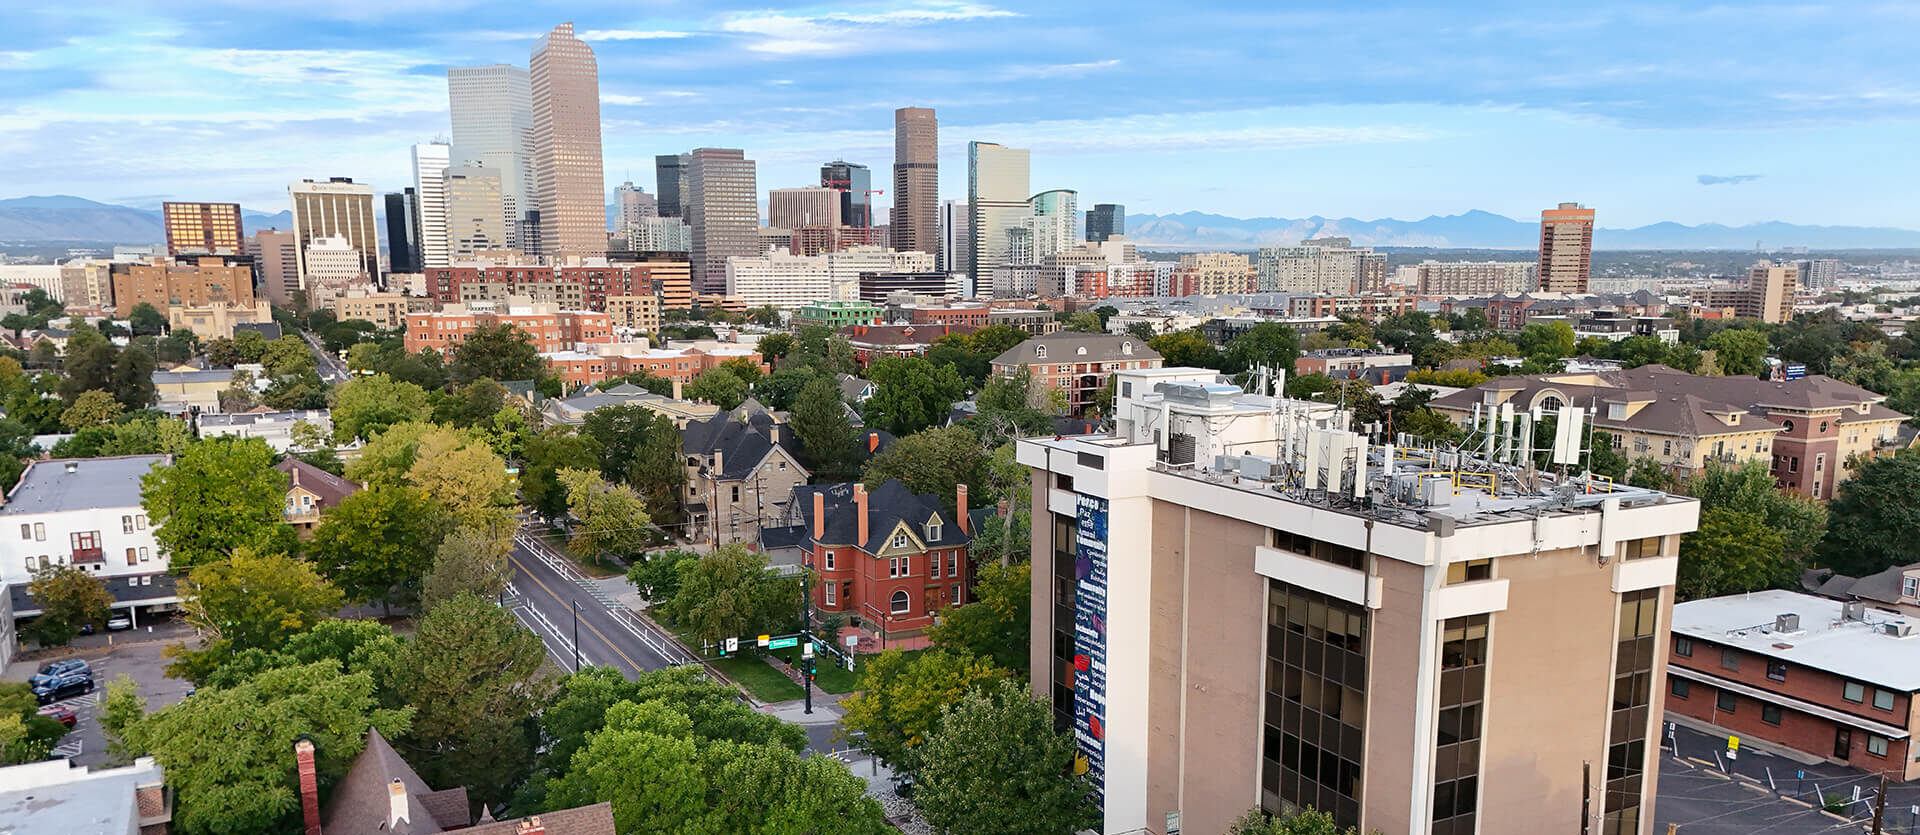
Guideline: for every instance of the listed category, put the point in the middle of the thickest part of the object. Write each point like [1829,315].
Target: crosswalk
[71,748]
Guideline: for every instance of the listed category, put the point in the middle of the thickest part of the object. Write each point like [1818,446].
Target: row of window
[1852,691]
[1726,701]
[135,556]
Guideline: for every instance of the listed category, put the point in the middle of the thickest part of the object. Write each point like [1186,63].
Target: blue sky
[1694,113]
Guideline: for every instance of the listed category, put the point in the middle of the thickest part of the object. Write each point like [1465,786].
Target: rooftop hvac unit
[1436,491]
[1897,629]
[1786,623]
[1853,611]
[1256,466]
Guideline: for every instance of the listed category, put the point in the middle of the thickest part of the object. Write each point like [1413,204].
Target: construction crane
[869,195]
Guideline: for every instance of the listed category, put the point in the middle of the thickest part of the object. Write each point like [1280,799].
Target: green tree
[779,389]
[731,592]
[88,365]
[903,696]
[719,386]
[1873,520]
[1732,552]
[656,576]
[998,729]
[1309,822]
[377,544]
[613,519]
[910,394]
[996,625]
[462,475]
[1268,344]
[1555,339]
[497,352]
[91,408]
[146,320]
[1085,321]
[257,601]
[1749,488]
[390,453]
[132,378]
[640,447]
[471,679]
[365,406]
[69,598]
[1187,349]
[218,495]
[827,437]
[228,752]
[775,346]
[552,450]
[469,560]
[1739,351]
[933,462]
[471,404]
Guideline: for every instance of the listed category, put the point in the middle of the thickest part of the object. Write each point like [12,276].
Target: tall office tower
[1106,220]
[997,191]
[276,264]
[916,180]
[475,223]
[723,209]
[403,224]
[336,208]
[1054,214]
[492,109]
[430,163]
[210,228]
[570,186]
[670,183]
[1566,248]
[792,208]
[954,238]
[633,204]
[853,181]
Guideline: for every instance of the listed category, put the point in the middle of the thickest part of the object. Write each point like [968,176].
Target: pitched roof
[743,437]
[1068,346]
[270,330]
[581,820]
[362,802]
[891,335]
[888,506]
[329,487]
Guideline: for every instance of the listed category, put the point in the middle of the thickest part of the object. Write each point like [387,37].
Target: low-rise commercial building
[85,513]
[276,428]
[836,314]
[870,342]
[387,311]
[1029,322]
[606,361]
[55,797]
[572,411]
[1377,368]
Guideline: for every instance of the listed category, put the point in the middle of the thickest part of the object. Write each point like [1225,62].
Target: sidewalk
[826,709]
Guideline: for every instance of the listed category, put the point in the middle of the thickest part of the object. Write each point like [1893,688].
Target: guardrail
[662,645]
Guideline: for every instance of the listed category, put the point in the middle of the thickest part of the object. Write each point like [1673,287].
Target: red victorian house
[889,560]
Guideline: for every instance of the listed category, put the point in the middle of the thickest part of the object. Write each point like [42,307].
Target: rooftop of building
[1826,639]
[65,484]
[329,487]
[888,506]
[1069,346]
[53,797]
[742,437]
[1338,353]
[314,416]
[381,783]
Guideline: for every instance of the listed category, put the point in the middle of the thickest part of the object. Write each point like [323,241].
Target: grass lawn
[828,674]
[764,682]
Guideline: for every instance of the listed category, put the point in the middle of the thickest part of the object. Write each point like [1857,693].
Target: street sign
[806,650]
[764,638]
[733,646]
[781,643]
[853,640]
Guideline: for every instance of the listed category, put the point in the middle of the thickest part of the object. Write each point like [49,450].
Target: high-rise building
[633,203]
[193,281]
[205,228]
[853,181]
[670,183]
[954,237]
[723,209]
[1566,248]
[403,228]
[1106,220]
[492,108]
[997,192]
[916,180]
[1054,215]
[660,234]
[1820,273]
[1471,278]
[1319,265]
[567,176]
[276,264]
[430,163]
[792,208]
[336,208]
[475,223]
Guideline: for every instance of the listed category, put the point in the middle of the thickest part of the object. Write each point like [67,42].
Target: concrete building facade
[1566,248]
[337,208]
[722,211]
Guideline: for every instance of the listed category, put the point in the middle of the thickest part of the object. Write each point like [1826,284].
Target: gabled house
[382,795]
[741,467]
[889,560]
[311,491]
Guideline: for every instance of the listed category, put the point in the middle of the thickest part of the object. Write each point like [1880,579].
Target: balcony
[87,555]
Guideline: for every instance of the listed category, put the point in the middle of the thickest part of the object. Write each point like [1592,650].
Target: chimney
[295,471]
[530,826]
[860,503]
[960,501]
[718,464]
[676,388]
[873,443]
[397,811]
[309,786]
[819,516]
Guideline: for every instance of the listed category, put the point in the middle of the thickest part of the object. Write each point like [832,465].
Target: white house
[84,512]
[276,428]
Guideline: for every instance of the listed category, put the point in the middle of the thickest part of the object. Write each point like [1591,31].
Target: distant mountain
[1485,230]
[63,217]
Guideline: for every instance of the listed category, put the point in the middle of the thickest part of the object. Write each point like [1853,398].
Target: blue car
[60,669]
[63,688]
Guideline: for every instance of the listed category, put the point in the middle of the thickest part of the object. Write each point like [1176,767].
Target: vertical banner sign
[1090,639]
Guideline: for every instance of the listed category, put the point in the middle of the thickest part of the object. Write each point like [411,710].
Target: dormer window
[1910,587]
[933,530]
[1127,347]
[899,540]
[1039,352]
[1082,351]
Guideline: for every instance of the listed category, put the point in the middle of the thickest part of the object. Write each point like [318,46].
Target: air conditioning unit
[1853,611]
[1897,629]
[1786,623]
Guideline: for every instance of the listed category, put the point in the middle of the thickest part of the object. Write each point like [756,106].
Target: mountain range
[64,218]
[1485,230]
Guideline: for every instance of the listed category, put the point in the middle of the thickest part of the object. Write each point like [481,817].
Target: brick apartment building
[589,286]
[607,360]
[1076,363]
[184,282]
[870,342]
[1824,677]
[552,328]
[889,560]
[971,316]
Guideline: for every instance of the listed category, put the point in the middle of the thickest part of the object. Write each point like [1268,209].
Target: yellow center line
[588,624]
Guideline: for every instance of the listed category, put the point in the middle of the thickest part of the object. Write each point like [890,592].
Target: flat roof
[61,484]
[1854,649]
[55,798]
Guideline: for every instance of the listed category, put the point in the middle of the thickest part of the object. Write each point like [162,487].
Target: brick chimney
[530,826]
[819,516]
[676,388]
[718,465]
[309,786]
[860,503]
[960,501]
[873,441]
[295,470]
[397,810]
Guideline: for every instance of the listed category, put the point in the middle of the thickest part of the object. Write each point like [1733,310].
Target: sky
[1804,112]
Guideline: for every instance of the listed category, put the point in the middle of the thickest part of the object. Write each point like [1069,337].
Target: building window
[85,540]
[143,554]
[132,556]
[1729,659]
[1683,647]
[1876,745]
[953,564]
[1854,691]
[39,531]
[26,531]
[1777,670]
[126,524]
[899,540]
[1770,714]
[736,492]
[1463,659]
[1678,686]
[830,593]
[1910,587]
[1642,548]
[1632,705]
[956,595]
[1666,447]
[30,565]
[1882,699]
[1340,555]
[1316,682]
[1039,352]
[1725,701]
[1469,571]
[901,604]
[933,531]
[893,567]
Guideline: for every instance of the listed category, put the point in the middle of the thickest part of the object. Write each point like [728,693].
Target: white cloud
[621,99]
[1022,71]
[14,59]
[931,13]
[848,32]
[632,34]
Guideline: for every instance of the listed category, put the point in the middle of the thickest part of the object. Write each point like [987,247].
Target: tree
[1085,321]
[827,437]
[745,368]
[218,495]
[613,520]
[903,697]
[365,406]
[472,403]
[656,575]
[69,598]
[88,365]
[257,600]
[239,395]
[933,462]
[471,679]
[132,379]
[1000,730]
[469,560]
[719,386]
[1739,351]
[1187,349]
[1732,552]
[1308,822]
[547,453]
[779,389]
[910,394]
[1461,378]
[775,346]
[995,626]
[640,447]
[228,752]
[1873,520]
[91,408]
[1268,344]
[501,352]
[1554,339]
[146,320]
[730,592]
[1749,488]
[462,476]
[377,544]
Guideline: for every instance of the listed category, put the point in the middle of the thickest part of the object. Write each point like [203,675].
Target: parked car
[63,688]
[60,713]
[119,622]
[57,669]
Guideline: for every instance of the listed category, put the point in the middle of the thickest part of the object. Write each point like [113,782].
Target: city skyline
[1264,112]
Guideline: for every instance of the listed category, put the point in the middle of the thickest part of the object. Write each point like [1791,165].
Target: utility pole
[1880,809]
[806,634]
[1586,796]
[575,603]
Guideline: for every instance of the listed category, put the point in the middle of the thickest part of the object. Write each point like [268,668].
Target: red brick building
[971,316]
[870,342]
[610,360]
[889,560]
[667,280]
[551,328]
[1076,363]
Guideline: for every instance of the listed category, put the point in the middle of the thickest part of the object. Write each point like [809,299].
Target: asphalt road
[331,368]
[547,591]
[1705,793]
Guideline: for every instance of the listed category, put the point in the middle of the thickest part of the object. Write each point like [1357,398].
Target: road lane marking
[637,666]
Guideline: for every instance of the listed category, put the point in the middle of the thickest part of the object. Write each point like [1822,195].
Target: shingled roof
[743,438]
[888,506]
[1069,347]
[362,802]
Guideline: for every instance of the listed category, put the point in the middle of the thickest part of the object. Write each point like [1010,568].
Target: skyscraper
[997,190]
[954,237]
[211,228]
[853,181]
[792,208]
[916,180]
[1566,248]
[1054,214]
[430,163]
[1106,220]
[403,248]
[633,204]
[336,208]
[473,213]
[670,183]
[722,207]
[492,109]
[567,174]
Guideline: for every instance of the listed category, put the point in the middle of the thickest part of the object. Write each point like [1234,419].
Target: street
[545,593]
[331,368]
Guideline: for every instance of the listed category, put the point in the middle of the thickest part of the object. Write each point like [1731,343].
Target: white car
[119,622]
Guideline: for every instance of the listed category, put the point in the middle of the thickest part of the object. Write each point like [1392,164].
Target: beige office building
[638,313]
[1226,617]
[569,182]
[1566,248]
[87,284]
[384,310]
[336,208]
[997,193]
[276,260]
[202,228]
[916,180]
[193,282]
[476,220]
[1472,278]
[793,208]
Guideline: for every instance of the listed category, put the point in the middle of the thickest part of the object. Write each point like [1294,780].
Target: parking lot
[1767,790]
[135,654]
